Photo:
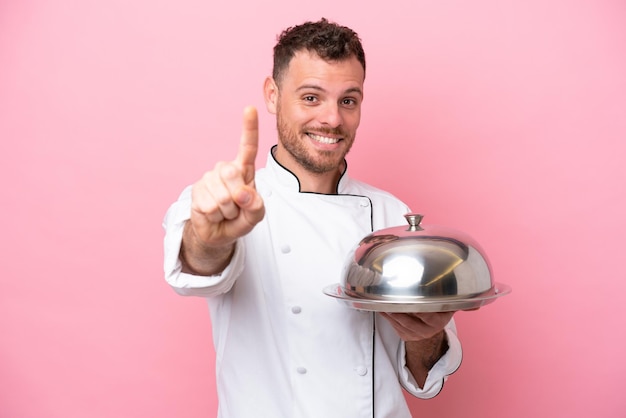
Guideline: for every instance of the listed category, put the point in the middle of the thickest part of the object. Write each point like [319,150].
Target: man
[261,246]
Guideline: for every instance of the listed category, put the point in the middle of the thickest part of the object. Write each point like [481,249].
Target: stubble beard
[324,161]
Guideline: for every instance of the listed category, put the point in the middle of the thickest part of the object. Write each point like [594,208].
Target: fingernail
[244,197]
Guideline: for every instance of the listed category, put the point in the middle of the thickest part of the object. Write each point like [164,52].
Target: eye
[310,99]
[349,102]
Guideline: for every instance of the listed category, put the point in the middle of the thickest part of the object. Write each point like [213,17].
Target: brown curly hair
[328,40]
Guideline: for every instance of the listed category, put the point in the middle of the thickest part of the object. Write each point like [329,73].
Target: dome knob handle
[414,220]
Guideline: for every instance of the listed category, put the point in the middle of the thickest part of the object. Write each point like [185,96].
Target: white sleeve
[439,373]
[188,284]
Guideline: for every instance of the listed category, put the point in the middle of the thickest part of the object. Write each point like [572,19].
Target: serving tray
[426,304]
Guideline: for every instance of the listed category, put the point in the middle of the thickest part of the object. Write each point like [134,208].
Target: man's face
[318,110]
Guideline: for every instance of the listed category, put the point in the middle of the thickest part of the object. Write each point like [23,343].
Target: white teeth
[324,139]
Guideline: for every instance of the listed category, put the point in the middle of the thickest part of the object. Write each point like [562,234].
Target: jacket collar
[289,180]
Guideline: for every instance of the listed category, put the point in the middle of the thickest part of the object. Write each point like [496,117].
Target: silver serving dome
[417,268]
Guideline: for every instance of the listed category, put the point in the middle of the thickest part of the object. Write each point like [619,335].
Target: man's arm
[200,260]
[425,340]
[422,355]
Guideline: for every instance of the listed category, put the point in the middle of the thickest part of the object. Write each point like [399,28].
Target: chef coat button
[296,309]
[365,203]
[285,249]
[268,193]
[301,370]
[361,370]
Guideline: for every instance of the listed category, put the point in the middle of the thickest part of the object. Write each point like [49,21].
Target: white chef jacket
[283,348]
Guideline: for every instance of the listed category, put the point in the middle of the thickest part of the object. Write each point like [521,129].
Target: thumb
[251,204]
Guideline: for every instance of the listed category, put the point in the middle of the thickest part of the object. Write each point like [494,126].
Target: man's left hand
[424,337]
[418,326]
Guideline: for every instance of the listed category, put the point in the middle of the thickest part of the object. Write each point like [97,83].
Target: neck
[319,183]
[323,183]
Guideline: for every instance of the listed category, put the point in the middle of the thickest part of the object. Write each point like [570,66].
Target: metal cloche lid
[419,268]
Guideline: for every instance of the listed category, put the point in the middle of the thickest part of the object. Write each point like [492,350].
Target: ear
[270,93]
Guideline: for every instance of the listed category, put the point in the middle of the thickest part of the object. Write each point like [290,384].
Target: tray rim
[419,305]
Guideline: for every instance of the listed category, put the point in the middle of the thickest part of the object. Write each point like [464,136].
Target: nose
[331,115]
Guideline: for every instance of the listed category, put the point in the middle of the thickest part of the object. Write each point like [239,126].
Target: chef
[260,245]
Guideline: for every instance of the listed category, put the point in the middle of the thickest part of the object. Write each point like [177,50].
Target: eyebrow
[356,90]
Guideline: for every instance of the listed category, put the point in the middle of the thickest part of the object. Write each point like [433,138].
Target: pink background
[504,119]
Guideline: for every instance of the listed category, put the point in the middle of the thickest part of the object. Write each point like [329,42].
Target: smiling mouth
[323,139]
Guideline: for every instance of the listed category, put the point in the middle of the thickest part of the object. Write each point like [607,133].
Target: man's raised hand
[224,203]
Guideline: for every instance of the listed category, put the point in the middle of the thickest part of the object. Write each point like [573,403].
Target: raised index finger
[249,143]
